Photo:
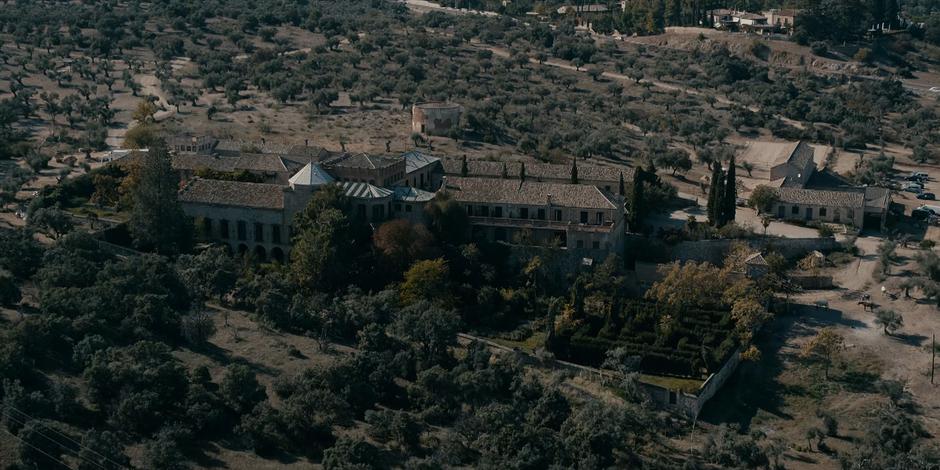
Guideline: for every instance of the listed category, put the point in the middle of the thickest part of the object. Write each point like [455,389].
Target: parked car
[740,201]
[927,196]
[920,175]
[914,188]
[920,214]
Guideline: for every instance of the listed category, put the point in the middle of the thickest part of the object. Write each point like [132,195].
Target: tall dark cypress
[574,171]
[623,190]
[522,172]
[464,169]
[636,200]
[714,195]
[729,195]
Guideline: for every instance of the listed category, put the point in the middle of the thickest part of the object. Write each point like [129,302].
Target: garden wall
[714,251]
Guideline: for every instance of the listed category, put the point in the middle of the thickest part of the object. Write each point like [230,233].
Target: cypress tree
[636,200]
[505,173]
[464,170]
[714,195]
[157,220]
[522,172]
[623,191]
[574,171]
[729,195]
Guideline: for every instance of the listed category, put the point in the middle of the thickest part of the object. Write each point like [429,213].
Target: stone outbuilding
[435,118]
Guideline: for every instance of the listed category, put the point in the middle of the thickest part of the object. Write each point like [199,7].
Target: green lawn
[673,383]
[530,344]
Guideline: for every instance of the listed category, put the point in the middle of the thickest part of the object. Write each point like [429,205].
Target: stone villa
[807,195]
[256,216]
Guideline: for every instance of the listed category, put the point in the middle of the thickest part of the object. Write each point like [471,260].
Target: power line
[68,438]
[34,447]
[22,422]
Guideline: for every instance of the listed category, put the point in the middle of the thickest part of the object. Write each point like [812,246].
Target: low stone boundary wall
[714,251]
[689,404]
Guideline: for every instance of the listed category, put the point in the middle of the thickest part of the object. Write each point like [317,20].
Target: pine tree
[464,169]
[729,195]
[157,220]
[574,171]
[714,194]
[522,172]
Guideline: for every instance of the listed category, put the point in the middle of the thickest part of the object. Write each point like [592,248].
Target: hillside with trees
[149,351]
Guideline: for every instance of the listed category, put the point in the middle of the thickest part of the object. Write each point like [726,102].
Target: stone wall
[714,251]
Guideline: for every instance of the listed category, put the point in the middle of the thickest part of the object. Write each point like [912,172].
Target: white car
[914,188]
[934,89]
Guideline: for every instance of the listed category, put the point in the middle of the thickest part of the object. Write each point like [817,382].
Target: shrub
[197,328]
[9,292]
[819,48]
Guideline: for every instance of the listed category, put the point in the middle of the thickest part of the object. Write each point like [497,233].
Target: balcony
[606,227]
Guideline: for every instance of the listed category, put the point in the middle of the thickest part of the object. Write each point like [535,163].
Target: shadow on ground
[755,386]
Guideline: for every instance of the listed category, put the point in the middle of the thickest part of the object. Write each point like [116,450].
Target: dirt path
[906,353]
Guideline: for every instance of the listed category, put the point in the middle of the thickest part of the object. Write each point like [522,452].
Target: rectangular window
[361,211]
[596,245]
[794,210]
[584,217]
[223,229]
[275,234]
[524,213]
[541,214]
[580,243]
[259,232]
[557,215]
[485,211]
[498,211]
[242,229]
[397,207]
[470,210]
[822,211]
[207,227]
[407,207]
[600,218]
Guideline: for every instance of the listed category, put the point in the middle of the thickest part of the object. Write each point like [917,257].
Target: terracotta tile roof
[877,198]
[819,197]
[360,160]
[233,193]
[507,191]
[260,162]
[194,161]
[544,171]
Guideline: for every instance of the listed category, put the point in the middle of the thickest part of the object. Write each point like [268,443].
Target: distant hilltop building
[435,118]
[770,21]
